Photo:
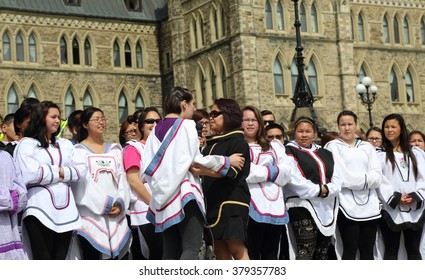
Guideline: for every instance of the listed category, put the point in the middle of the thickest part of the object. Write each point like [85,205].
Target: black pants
[46,244]
[412,240]
[263,240]
[183,240]
[357,236]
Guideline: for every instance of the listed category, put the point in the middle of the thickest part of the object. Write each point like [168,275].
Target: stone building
[124,54]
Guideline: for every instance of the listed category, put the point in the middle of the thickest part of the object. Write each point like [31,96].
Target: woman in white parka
[359,207]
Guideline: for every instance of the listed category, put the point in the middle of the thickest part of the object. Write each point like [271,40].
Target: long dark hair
[142,118]
[85,118]
[37,126]
[260,137]
[404,143]
[232,114]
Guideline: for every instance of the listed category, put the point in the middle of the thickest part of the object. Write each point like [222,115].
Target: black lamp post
[367,94]
[302,98]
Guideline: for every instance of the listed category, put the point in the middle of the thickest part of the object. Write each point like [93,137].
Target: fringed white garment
[104,185]
[360,173]
[269,172]
[166,167]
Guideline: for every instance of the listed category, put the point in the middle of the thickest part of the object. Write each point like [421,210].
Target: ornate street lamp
[302,98]
[367,94]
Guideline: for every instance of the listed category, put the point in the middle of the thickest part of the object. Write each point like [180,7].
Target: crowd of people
[227,184]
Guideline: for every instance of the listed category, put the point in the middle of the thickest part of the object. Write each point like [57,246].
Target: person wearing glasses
[177,205]
[312,194]
[103,195]
[202,120]
[270,170]
[361,176]
[275,131]
[402,190]
[268,117]
[374,137]
[127,132]
[141,192]
[48,166]
[227,194]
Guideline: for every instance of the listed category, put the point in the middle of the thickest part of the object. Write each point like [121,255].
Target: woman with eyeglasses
[374,137]
[402,190]
[202,121]
[177,206]
[103,195]
[227,194]
[312,194]
[360,173]
[141,192]
[48,165]
[127,132]
[270,170]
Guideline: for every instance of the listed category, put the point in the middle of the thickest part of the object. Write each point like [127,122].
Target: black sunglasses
[214,114]
[151,121]
[269,122]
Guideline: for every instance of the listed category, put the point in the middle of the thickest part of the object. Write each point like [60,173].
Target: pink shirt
[131,158]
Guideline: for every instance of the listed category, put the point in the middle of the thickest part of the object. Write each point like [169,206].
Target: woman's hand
[237,161]
[406,199]
[115,210]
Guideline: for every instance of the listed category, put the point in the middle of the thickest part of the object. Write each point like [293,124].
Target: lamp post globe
[367,94]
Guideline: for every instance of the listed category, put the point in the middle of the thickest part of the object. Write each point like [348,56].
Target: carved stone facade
[232,48]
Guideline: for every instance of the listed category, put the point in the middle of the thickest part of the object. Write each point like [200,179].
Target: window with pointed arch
[87,100]
[127,55]
[314,19]
[269,15]
[423,31]
[312,78]
[303,18]
[278,77]
[63,50]
[32,48]
[360,28]
[406,34]
[385,30]
[87,53]
[122,107]
[19,47]
[395,97]
[12,100]
[32,93]
[201,38]
[280,16]
[7,52]
[69,102]
[294,74]
[396,31]
[116,54]
[223,81]
[217,22]
[362,73]
[139,103]
[213,80]
[75,51]
[194,34]
[410,94]
[139,55]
